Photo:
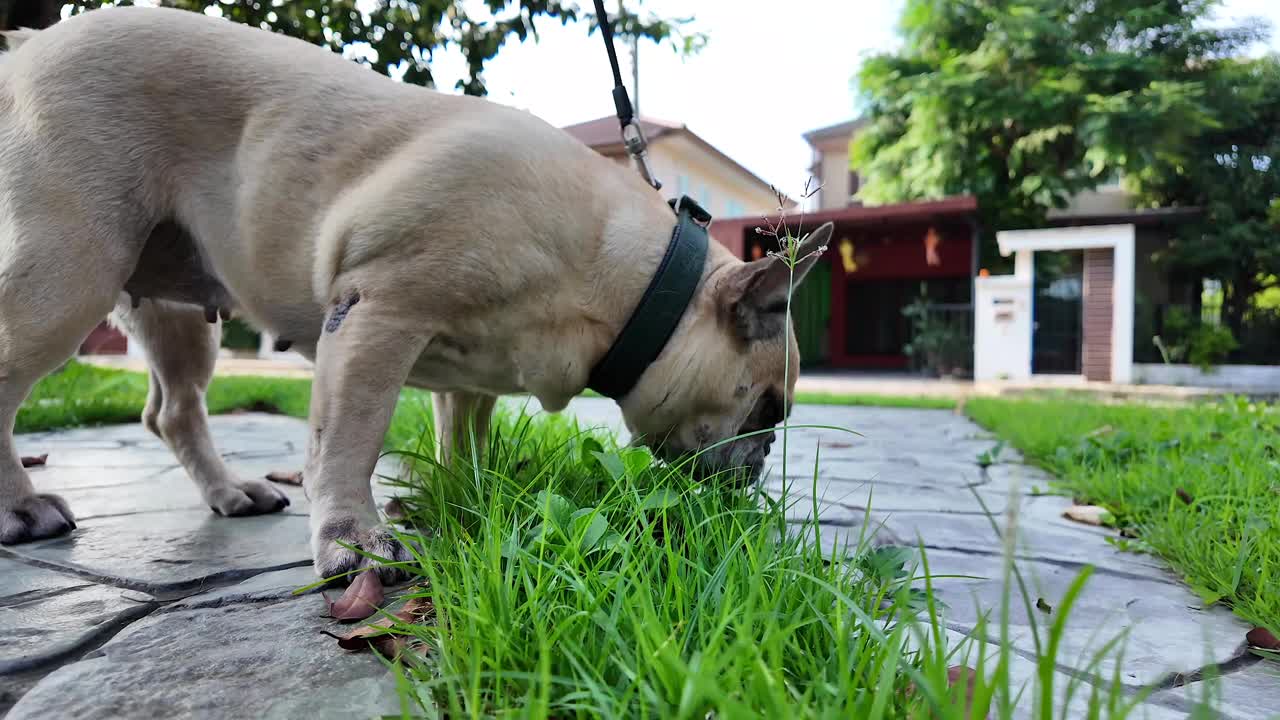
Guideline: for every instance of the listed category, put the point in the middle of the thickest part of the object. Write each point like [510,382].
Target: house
[1088,299]
[849,313]
[1086,302]
[686,164]
[831,170]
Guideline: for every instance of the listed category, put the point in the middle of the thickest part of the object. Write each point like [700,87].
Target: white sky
[771,71]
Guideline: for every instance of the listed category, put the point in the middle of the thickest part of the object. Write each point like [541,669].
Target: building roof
[843,129]
[959,206]
[604,136]
[1141,217]
[732,232]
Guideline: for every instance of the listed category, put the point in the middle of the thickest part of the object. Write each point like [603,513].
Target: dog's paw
[247,497]
[332,559]
[35,517]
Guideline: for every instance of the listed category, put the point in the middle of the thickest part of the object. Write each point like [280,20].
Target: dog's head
[729,370]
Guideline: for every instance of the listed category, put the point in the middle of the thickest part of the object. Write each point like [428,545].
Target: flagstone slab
[45,615]
[260,660]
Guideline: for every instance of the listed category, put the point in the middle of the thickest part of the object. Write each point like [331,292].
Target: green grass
[899,401]
[1199,484]
[81,394]
[574,578]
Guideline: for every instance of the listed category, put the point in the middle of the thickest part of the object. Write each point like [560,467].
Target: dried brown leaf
[1261,637]
[285,478]
[1099,432]
[361,598]
[968,677]
[34,460]
[416,611]
[1086,514]
[374,636]
[1184,496]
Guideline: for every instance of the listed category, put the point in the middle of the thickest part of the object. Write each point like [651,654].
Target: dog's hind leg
[460,418]
[181,348]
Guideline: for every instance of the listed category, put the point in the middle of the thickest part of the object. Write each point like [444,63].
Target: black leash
[632,135]
[665,301]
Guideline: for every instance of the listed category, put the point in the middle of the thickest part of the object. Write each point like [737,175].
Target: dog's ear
[755,296]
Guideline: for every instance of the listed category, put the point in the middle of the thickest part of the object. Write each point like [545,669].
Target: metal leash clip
[632,135]
[633,139]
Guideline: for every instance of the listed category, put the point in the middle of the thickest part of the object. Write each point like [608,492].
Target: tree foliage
[1234,178]
[28,13]
[398,37]
[1025,103]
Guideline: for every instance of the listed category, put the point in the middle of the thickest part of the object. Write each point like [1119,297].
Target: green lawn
[1199,484]
[83,394]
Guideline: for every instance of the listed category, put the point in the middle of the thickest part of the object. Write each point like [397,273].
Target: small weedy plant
[788,253]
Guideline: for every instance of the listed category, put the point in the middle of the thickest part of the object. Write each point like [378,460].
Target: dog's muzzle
[742,459]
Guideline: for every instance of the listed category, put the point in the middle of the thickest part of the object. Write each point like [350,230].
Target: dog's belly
[449,364]
[297,325]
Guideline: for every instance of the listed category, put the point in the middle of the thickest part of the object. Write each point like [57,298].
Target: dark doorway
[1058,313]
[875,328]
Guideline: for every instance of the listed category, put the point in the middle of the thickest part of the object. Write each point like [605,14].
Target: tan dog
[394,234]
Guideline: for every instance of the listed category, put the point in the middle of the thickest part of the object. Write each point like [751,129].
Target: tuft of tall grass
[572,577]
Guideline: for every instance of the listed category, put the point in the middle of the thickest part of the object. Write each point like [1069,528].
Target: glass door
[1058,313]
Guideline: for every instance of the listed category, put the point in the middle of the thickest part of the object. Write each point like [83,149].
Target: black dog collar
[663,304]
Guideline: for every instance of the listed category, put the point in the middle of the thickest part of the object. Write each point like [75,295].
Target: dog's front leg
[362,360]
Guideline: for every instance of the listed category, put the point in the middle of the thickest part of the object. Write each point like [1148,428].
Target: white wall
[1119,238]
[831,160]
[1002,328]
[731,192]
[1251,378]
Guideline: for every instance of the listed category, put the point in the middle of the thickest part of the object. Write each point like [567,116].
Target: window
[704,198]
[853,186]
[734,209]
[682,185]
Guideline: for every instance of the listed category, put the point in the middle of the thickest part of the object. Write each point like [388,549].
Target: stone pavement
[157,607]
